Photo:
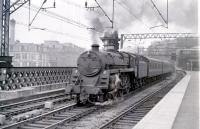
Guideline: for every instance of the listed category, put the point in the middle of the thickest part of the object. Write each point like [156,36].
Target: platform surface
[179,109]
[188,114]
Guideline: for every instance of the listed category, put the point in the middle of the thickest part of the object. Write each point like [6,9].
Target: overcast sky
[131,16]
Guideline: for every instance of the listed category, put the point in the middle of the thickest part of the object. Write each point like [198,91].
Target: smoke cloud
[182,13]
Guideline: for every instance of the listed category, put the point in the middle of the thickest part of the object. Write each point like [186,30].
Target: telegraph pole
[1,12]
[5,18]
[5,11]
[5,59]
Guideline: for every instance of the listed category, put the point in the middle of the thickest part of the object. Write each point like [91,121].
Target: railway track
[61,118]
[54,118]
[29,105]
[31,97]
[133,114]
[86,122]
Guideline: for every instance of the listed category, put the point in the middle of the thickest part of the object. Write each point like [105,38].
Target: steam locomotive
[103,75]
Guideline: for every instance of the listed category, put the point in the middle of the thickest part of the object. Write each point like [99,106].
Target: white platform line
[162,116]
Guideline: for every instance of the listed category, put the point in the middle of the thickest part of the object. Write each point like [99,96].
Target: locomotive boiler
[107,74]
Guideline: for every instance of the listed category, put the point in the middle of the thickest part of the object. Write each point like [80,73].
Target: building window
[32,63]
[40,57]
[33,57]
[22,48]
[24,64]
[17,56]
[24,56]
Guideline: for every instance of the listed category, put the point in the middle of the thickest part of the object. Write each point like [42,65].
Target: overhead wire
[124,6]
[36,12]
[62,18]
[154,5]
[56,32]
[161,16]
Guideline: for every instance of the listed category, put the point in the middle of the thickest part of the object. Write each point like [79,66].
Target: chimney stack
[95,47]
[12,31]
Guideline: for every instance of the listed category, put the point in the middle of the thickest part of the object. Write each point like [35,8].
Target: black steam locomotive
[110,73]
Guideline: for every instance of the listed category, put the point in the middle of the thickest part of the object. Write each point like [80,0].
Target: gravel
[111,109]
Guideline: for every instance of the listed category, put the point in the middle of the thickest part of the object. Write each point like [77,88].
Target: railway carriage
[155,67]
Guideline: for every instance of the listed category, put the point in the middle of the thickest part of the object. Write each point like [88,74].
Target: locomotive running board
[122,70]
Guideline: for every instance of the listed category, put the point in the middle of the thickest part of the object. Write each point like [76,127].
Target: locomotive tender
[106,74]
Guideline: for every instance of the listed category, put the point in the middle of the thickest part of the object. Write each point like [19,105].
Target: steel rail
[31,97]
[30,101]
[24,108]
[38,118]
[138,105]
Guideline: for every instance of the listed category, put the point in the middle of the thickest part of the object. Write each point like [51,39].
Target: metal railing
[17,77]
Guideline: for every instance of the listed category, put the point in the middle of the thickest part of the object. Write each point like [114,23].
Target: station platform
[179,109]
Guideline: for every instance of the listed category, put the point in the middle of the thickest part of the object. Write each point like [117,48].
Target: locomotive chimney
[110,41]
[95,47]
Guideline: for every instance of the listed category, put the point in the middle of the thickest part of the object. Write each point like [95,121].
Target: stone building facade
[47,54]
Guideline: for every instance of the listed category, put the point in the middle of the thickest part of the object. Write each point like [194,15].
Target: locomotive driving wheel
[125,83]
[120,84]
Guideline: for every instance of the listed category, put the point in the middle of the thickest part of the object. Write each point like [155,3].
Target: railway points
[53,118]
[25,109]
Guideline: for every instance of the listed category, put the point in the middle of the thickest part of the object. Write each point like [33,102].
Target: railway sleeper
[130,119]
[133,116]
[50,121]
[54,117]
[27,127]
[62,115]
[140,111]
[43,122]
[36,125]
[122,124]
[60,127]
[136,113]
[127,121]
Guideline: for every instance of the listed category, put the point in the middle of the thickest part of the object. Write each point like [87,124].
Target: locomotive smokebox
[110,41]
[95,47]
